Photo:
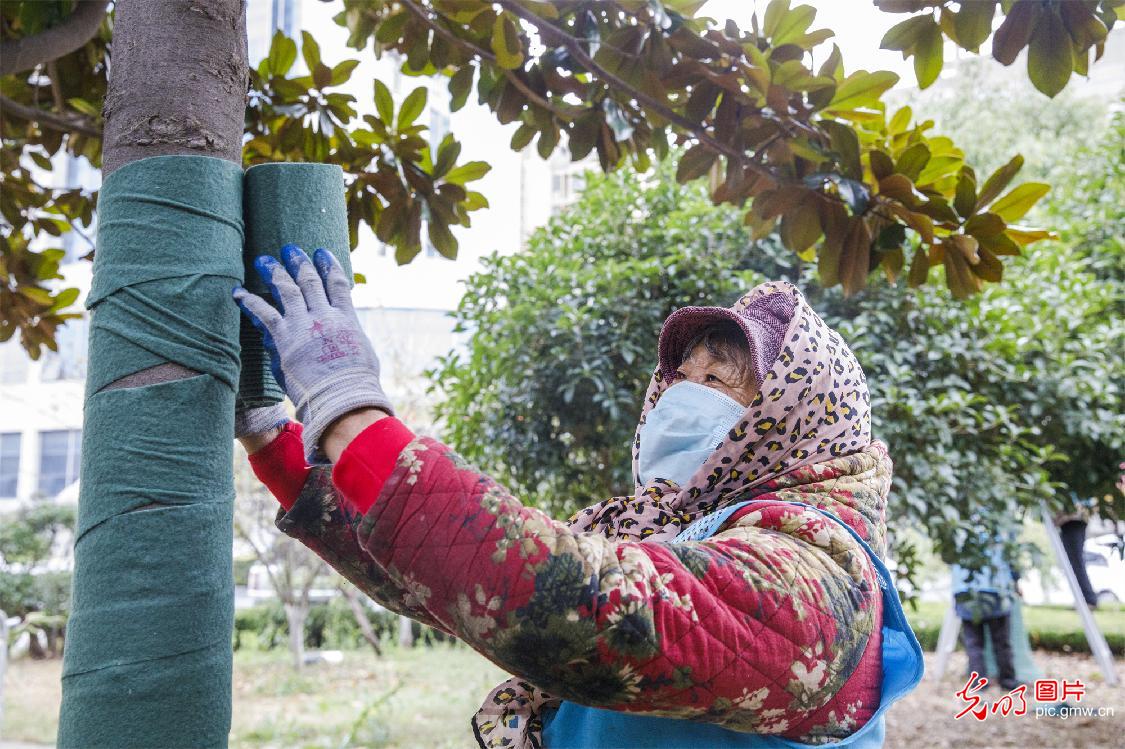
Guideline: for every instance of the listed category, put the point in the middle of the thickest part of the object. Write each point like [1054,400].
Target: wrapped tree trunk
[148,659]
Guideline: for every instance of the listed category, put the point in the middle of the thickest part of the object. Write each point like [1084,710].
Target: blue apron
[574,726]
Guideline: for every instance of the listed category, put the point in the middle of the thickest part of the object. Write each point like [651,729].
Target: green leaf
[800,227]
[1019,201]
[283,53]
[793,25]
[310,51]
[904,36]
[342,72]
[523,135]
[468,172]
[973,23]
[928,56]
[384,103]
[412,106]
[1015,32]
[912,161]
[695,162]
[1050,57]
[459,87]
[84,107]
[442,238]
[359,278]
[998,180]
[506,44]
[862,89]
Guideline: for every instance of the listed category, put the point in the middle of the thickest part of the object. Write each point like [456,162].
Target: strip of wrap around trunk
[148,654]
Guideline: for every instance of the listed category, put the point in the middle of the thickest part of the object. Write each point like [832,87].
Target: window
[58,460]
[9,463]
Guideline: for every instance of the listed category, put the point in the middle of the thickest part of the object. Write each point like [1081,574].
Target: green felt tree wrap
[148,656]
[301,204]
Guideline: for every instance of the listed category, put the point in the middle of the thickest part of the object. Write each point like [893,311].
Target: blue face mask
[682,430]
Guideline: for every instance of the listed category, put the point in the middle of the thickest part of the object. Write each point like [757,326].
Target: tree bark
[179,81]
[295,616]
[3,659]
[405,632]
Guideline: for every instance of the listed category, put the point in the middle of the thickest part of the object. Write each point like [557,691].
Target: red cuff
[367,463]
[281,466]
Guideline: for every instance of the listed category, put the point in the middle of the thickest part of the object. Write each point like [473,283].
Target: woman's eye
[713,378]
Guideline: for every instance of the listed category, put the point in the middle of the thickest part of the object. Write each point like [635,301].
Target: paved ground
[924,719]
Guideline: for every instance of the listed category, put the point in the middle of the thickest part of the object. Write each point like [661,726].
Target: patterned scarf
[812,406]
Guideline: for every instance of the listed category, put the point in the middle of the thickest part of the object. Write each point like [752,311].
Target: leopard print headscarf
[812,406]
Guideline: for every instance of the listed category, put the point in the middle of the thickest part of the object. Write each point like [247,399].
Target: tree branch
[484,54]
[17,55]
[554,35]
[65,123]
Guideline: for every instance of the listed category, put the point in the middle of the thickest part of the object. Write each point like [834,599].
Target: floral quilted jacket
[770,626]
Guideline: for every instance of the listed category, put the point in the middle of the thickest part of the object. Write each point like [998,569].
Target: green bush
[330,626]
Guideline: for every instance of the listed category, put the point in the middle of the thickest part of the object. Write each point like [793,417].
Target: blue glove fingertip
[323,260]
[293,257]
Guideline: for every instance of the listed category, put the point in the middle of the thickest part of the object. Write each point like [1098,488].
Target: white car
[1105,567]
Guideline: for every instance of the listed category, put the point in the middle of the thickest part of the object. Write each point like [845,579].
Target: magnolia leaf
[505,42]
[695,162]
[283,53]
[928,56]
[984,225]
[861,89]
[1025,236]
[912,160]
[459,87]
[973,23]
[919,268]
[1050,58]
[1019,201]
[310,50]
[412,106]
[468,172]
[384,103]
[1015,32]
[800,227]
[998,180]
[855,256]
[989,267]
[904,36]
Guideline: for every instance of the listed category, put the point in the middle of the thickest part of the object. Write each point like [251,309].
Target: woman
[737,598]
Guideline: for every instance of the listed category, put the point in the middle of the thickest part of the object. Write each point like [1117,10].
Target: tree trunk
[146,663]
[360,614]
[3,658]
[295,616]
[405,632]
[179,81]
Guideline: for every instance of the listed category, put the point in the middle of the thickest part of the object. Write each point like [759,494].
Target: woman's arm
[311,513]
[757,624]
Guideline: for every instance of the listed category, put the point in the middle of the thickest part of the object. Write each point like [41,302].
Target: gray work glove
[259,420]
[318,352]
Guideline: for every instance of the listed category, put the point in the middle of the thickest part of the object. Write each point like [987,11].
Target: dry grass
[423,698]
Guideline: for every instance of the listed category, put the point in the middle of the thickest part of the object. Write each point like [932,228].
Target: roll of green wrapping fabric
[148,653]
[301,204]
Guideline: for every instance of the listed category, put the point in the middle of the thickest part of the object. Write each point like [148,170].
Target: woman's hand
[317,348]
[257,427]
